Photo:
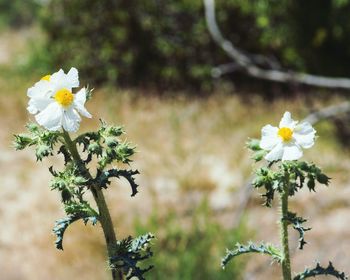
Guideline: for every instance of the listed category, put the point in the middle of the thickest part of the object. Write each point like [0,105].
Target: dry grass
[188,149]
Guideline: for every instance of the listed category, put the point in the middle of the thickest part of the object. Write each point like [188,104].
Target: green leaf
[319,270]
[75,211]
[297,225]
[129,252]
[62,224]
[267,249]
[102,178]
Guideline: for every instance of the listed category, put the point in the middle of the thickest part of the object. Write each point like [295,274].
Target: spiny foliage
[319,270]
[75,179]
[62,224]
[42,139]
[297,225]
[296,173]
[286,179]
[129,252]
[266,249]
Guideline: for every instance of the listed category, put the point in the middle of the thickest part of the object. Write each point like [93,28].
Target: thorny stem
[286,270]
[104,216]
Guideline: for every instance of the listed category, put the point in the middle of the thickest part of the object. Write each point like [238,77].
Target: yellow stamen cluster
[285,133]
[64,97]
[46,78]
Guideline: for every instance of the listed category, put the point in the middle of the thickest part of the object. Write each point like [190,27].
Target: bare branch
[251,68]
[328,112]
[219,70]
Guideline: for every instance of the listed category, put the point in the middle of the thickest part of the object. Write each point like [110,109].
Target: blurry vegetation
[18,13]
[165,43]
[191,250]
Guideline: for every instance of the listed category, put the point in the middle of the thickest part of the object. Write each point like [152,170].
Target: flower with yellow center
[54,104]
[287,141]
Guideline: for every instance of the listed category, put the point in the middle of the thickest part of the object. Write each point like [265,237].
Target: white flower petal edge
[269,137]
[292,152]
[50,117]
[54,117]
[287,121]
[61,80]
[287,141]
[304,135]
[70,120]
[38,104]
[79,102]
[40,88]
[276,153]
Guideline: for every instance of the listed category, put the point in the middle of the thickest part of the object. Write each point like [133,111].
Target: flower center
[64,97]
[285,133]
[46,78]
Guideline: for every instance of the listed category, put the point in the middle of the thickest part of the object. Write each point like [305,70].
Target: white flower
[286,141]
[54,104]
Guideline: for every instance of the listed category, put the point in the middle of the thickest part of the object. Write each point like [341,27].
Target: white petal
[71,120]
[287,121]
[269,137]
[61,80]
[38,104]
[72,78]
[41,88]
[292,152]
[80,96]
[79,101]
[51,117]
[304,135]
[32,108]
[57,77]
[276,153]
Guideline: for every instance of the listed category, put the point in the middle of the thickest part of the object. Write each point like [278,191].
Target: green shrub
[137,42]
[165,43]
[18,13]
[191,248]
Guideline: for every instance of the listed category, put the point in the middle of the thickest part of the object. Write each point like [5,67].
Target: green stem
[286,269]
[104,216]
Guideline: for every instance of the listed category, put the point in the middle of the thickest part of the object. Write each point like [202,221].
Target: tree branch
[249,65]
[328,112]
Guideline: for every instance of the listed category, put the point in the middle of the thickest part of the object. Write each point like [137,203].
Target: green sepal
[253,144]
[258,152]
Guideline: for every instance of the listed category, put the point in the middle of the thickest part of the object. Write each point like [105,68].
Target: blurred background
[151,64]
